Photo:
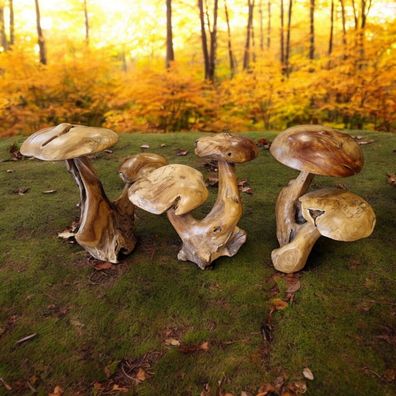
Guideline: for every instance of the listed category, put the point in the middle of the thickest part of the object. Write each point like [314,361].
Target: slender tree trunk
[3,36]
[282,39]
[246,56]
[344,34]
[261,26]
[203,39]
[40,36]
[229,43]
[86,21]
[330,50]
[213,42]
[12,23]
[170,55]
[269,25]
[365,9]
[287,53]
[312,29]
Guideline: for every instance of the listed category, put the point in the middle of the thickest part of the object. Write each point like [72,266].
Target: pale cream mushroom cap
[338,214]
[171,186]
[67,141]
[227,147]
[138,165]
[319,150]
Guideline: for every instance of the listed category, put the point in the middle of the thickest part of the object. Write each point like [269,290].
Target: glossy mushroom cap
[67,141]
[139,165]
[224,146]
[171,186]
[319,150]
[338,214]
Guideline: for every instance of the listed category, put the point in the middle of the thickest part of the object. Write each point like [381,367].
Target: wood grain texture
[338,214]
[319,150]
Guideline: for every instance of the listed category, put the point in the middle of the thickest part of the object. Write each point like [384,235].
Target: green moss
[325,329]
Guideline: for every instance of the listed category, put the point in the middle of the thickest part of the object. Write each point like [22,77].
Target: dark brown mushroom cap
[338,214]
[224,146]
[139,165]
[67,141]
[171,186]
[319,150]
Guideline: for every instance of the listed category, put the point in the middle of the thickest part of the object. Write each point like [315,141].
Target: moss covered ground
[341,322]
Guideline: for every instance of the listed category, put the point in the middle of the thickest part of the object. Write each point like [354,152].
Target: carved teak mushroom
[331,212]
[105,228]
[168,189]
[313,150]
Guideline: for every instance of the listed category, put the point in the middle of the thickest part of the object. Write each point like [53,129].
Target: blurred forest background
[210,65]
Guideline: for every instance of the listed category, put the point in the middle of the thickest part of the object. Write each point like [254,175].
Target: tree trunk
[287,54]
[330,50]
[261,26]
[40,36]
[12,23]
[246,56]
[312,29]
[86,21]
[203,39]
[213,42]
[3,36]
[170,55]
[344,35]
[282,39]
[269,25]
[229,43]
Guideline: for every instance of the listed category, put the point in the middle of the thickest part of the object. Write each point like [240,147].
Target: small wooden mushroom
[169,188]
[313,150]
[333,213]
[105,228]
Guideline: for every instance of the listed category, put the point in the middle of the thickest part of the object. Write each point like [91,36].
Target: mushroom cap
[338,214]
[224,146]
[319,150]
[67,141]
[138,165]
[175,185]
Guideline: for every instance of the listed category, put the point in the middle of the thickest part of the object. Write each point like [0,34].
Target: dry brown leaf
[181,152]
[298,387]
[293,285]
[391,179]
[163,145]
[10,171]
[307,373]
[390,375]
[103,266]
[58,391]
[118,388]
[27,338]
[140,375]
[66,234]
[49,192]
[191,348]
[144,146]
[172,342]
[7,386]
[21,190]
[266,389]
[278,304]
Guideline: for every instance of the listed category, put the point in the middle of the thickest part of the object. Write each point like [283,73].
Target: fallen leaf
[117,388]
[181,152]
[21,190]
[108,151]
[299,387]
[163,145]
[103,266]
[172,341]
[293,285]
[247,190]
[144,146]
[392,179]
[191,348]
[27,338]
[266,389]
[15,153]
[279,304]
[10,171]
[58,391]
[7,386]
[390,375]
[140,375]
[212,180]
[66,234]
[49,191]
[363,142]
[307,373]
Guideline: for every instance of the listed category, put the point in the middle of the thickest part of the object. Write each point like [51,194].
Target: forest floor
[155,326]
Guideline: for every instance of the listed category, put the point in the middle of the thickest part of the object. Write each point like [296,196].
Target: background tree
[287,52]
[231,57]
[3,35]
[86,22]
[249,32]
[12,23]
[312,29]
[40,35]
[170,55]
[282,38]
[269,24]
[330,50]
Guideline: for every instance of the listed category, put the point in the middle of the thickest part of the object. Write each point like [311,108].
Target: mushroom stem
[217,234]
[286,225]
[105,228]
[292,256]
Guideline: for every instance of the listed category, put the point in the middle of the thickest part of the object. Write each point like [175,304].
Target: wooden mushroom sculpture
[168,188]
[313,150]
[105,228]
[331,212]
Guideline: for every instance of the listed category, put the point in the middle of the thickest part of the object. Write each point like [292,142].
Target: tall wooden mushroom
[106,228]
[165,189]
[334,213]
[313,150]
